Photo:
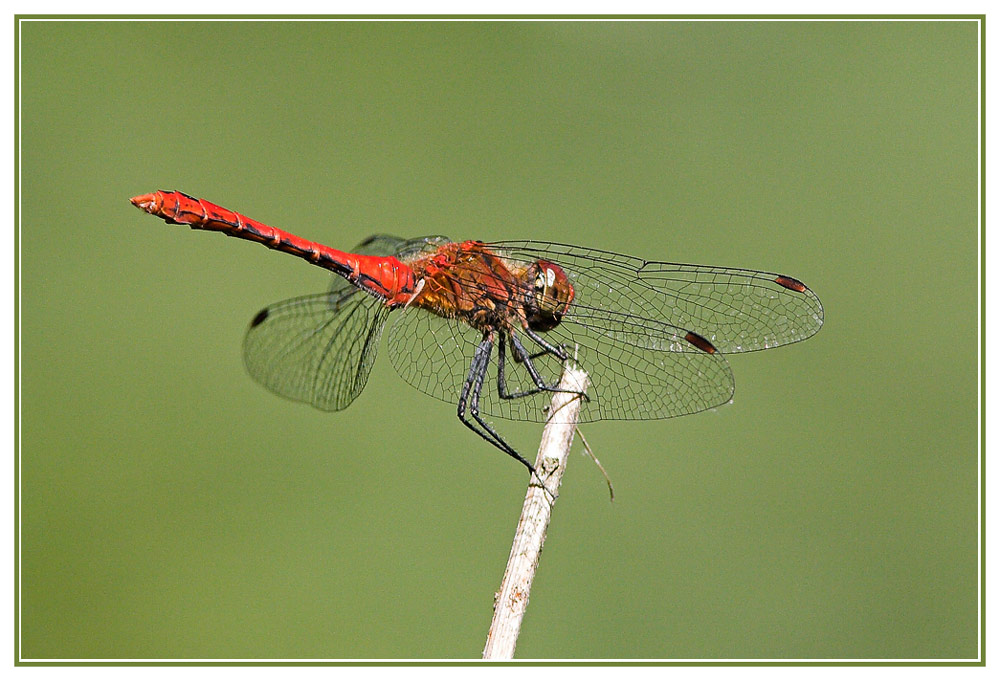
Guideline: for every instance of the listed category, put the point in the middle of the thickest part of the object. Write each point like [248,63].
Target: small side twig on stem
[512,598]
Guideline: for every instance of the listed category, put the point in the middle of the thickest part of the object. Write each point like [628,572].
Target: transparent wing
[641,368]
[431,353]
[317,349]
[737,310]
[637,371]
[321,348]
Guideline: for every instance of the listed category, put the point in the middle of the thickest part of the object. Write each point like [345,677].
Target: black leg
[502,375]
[521,356]
[547,347]
[471,390]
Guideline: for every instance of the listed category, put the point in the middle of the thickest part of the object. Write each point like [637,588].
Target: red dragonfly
[651,335]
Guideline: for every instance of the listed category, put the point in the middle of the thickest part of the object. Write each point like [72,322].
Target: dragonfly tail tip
[144,202]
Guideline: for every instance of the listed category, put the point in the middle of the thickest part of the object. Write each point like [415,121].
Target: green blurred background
[171,508]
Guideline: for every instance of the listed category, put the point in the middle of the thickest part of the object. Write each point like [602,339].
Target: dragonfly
[489,326]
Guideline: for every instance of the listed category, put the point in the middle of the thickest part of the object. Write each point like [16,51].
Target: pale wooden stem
[512,599]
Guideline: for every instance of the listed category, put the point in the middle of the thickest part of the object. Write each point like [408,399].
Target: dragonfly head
[549,297]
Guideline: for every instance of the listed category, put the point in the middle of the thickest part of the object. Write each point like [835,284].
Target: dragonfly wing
[317,349]
[320,349]
[736,310]
[642,369]
[432,353]
[386,244]
[637,370]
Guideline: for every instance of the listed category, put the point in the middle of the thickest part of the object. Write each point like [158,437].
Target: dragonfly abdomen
[385,277]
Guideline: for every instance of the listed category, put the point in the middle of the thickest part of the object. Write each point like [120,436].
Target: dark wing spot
[790,283]
[699,342]
[259,318]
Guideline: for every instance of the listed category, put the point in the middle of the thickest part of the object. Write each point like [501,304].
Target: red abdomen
[385,277]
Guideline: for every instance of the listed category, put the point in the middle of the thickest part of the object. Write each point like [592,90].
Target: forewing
[736,310]
[317,349]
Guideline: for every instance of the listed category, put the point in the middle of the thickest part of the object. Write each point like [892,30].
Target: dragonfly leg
[471,391]
[521,356]
[469,401]
[547,347]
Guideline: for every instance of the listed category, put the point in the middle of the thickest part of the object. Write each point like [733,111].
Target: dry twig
[512,598]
